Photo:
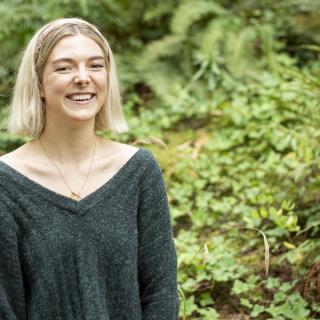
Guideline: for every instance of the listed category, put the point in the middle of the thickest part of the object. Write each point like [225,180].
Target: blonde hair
[27,116]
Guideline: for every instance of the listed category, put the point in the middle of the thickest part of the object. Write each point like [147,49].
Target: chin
[82,113]
[83,116]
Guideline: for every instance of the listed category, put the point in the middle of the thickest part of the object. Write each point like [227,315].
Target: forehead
[75,47]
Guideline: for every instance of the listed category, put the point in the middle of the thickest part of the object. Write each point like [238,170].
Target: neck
[69,146]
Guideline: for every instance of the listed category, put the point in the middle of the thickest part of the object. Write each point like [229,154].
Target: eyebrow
[71,60]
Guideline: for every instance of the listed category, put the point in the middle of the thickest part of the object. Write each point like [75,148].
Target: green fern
[191,11]
[166,47]
[163,81]
[158,10]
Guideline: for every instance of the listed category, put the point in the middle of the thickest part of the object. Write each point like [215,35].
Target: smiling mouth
[81,97]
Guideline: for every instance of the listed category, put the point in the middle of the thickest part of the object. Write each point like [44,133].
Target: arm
[157,256]
[12,295]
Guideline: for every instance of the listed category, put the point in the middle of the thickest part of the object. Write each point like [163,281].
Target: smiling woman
[75,60]
[85,229]
[43,53]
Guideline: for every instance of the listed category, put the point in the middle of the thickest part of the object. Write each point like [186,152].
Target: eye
[63,68]
[97,66]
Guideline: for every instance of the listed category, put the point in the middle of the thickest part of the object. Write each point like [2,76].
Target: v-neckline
[85,203]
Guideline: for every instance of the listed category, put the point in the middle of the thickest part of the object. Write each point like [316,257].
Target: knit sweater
[109,256]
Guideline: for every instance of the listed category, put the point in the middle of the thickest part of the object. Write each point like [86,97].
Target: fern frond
[165,47]
[231,41]
[266,33]
[163,80]
[243,42]
[158,10]
[127,66]
[191,11]
[214,34]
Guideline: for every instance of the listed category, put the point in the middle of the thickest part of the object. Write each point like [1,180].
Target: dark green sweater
[110,256]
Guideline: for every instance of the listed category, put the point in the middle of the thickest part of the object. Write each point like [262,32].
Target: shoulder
[6,157]
[15,157]
[11,159]
[124,152]
[142,158]
[115,154]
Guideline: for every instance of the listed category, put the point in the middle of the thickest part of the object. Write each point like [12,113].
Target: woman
[85,227]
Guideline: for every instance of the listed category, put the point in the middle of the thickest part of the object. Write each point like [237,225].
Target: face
[74,80]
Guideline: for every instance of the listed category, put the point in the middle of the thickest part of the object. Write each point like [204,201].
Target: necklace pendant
[75,196]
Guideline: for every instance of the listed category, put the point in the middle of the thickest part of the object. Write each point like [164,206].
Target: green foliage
[232,88]
[190,12]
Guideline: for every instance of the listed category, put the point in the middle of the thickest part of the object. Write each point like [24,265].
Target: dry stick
[266,246]
[152,141]
[266,249]
[206,253]
[184,303]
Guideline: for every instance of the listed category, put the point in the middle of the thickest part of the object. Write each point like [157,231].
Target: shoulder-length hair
[27,116]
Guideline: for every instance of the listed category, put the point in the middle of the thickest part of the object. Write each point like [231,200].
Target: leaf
[289,245]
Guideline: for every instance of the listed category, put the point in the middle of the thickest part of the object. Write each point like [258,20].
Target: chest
[103,235]
[65,181]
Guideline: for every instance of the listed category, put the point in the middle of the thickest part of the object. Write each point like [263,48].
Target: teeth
[79,97]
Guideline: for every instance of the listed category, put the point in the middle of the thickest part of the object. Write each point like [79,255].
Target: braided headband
[42,36]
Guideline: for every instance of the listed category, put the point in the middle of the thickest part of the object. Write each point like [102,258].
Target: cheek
[102,81]
[53,86]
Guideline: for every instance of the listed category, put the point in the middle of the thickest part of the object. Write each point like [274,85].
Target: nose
[82,77]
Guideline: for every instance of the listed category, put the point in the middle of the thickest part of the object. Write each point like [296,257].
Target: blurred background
[225,93]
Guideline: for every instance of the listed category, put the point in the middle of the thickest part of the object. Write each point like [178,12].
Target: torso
[109,158]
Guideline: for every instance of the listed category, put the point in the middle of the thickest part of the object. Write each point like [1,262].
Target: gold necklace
[73,195]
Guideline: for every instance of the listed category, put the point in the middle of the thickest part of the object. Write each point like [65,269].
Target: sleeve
[157,259]
[12,294]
